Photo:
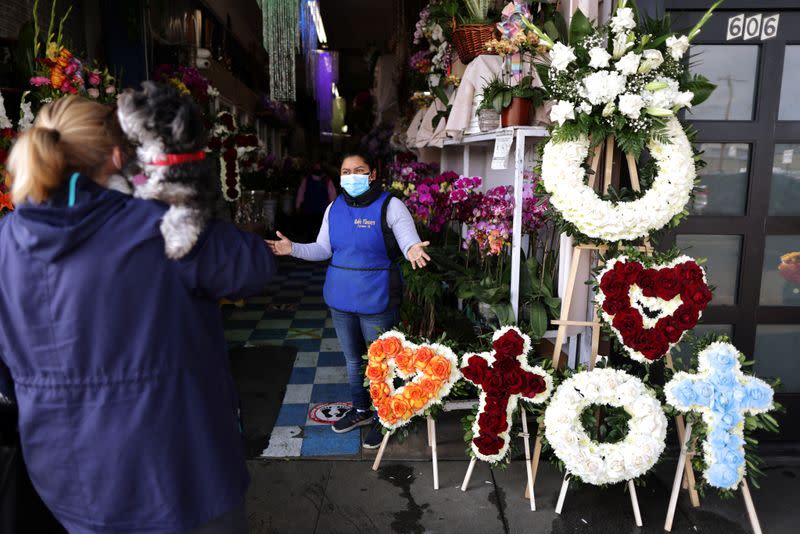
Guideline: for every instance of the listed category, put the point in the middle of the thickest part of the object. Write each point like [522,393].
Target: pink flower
[93,92]
[110,90]
[94,78]
[39,81]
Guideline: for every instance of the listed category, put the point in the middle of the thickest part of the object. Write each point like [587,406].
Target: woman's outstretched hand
[417,255]
[281,247]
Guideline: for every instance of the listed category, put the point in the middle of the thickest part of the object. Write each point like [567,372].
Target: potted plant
[488,116]
[514,102]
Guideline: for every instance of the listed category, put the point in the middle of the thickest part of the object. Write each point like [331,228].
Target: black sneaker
[374,437]
[352,419]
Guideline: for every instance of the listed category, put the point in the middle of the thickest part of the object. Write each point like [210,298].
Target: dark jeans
[355,333]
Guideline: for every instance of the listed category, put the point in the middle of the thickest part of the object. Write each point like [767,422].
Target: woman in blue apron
[364,232]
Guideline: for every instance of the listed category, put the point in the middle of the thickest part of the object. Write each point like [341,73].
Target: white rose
[677,46]
[609,109]
[615,466]
[598,58]
[561,56]
[631,105]
[585,107]
[562,111]
[651,59]
[629,63]
[623,20]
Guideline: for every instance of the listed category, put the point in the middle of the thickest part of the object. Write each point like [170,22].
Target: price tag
[788,156]
[502,146]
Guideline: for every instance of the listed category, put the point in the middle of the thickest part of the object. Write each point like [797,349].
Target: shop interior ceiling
[358,24]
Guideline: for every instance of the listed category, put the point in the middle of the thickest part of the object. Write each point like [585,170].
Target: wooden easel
[431,422]
[523,413]
[676,486]
[611,171]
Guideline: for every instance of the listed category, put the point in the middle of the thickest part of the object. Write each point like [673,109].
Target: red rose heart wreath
[650,308]
[504,377]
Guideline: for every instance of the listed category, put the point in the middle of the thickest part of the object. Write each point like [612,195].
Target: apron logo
[364,223]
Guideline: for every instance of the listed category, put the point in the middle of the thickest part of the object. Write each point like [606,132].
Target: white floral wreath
[605,463]
[563,177]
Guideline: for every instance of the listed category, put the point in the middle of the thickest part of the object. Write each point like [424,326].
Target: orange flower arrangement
[430,372]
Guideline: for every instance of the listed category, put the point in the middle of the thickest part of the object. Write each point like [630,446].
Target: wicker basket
[470,40]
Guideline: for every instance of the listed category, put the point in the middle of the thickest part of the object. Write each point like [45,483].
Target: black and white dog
[167,130]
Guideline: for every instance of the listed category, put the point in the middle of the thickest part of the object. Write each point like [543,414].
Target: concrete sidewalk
[329,496]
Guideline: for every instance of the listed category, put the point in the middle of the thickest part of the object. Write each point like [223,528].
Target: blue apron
[358,279]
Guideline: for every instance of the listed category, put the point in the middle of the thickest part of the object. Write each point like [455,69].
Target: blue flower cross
[723,395]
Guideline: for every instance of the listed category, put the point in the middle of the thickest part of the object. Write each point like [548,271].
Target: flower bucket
[488,120]
[470,40]
[518,113]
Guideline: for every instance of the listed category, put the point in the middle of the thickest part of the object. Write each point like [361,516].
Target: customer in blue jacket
[364,232]
[127,408]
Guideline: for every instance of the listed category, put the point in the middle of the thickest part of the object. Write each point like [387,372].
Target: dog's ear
[187,127]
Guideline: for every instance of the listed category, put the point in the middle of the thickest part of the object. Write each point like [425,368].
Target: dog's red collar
[176,159]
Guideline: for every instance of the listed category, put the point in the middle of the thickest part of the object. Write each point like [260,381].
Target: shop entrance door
[746,216]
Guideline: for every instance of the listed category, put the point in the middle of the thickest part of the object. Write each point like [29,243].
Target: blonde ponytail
[71,134]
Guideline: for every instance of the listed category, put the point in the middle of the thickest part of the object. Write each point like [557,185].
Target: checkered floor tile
[293,313]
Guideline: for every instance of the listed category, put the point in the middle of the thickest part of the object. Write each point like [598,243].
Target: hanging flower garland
[504,378]
[430,370]
[650,308]
[723,395]
[232,146]
[605,463]
[618,80]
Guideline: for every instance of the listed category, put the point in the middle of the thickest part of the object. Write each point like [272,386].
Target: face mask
[355,184]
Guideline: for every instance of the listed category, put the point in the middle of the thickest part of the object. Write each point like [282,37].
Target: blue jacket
[117,356]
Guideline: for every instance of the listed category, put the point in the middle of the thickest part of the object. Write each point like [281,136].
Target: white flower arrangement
[722,394]
[563,177]
[605,463]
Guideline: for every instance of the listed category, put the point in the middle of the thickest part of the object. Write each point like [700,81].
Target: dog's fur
[159,121]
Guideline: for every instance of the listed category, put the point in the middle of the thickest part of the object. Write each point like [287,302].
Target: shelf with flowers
[7,135]
[472,232]
[59,72]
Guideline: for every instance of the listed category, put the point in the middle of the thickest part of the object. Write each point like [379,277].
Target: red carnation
[515,381]
[509,344]
[492,423]
[647,281]
[232,193]
[629,269]
[652,344]
[614,285]
[613,306]
[686,316]
[227,120]
[476,369]
[496,405]
[671,328]
[535,384]
[493,383]
[214,143]
[697,294]
[689,271]
[667,284]
[488,445]
[628,323]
